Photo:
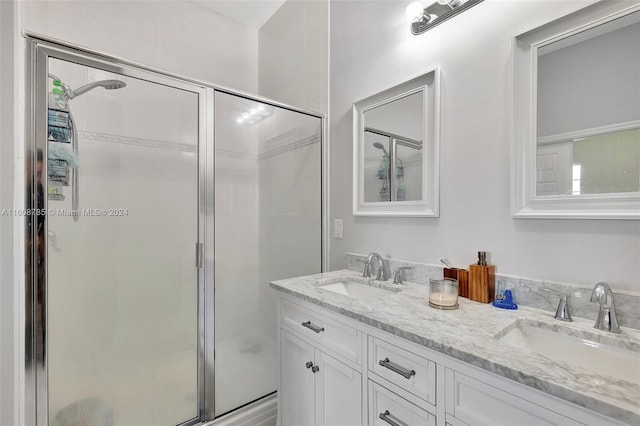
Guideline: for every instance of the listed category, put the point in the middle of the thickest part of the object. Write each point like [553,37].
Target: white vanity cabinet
[364,375]
[320,380]
[296,381]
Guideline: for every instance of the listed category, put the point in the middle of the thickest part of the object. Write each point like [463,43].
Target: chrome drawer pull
[312,327]
[396,368]
[386,416]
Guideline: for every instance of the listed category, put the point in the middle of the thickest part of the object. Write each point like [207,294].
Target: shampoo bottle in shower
[58,114]
[57,100]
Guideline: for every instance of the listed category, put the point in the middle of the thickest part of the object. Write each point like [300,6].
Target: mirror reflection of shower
[397,153]
[380,146]
[63,163]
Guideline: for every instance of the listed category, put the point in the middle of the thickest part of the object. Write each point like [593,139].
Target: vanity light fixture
[255,114]
[423,18]
[416,12]
[451,3]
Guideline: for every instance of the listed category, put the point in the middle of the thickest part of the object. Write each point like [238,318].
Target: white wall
[570,78]
[178,36]
[371,49]
[293,55]
[402,117]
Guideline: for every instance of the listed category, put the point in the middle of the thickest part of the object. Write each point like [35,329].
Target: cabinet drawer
[333,335]
[478,403]
[411,372]
[386,408]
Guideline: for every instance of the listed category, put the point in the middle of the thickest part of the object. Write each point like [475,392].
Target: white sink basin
[358,290]
[609,356]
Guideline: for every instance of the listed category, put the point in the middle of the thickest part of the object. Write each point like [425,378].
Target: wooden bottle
[462,276]
[482,280]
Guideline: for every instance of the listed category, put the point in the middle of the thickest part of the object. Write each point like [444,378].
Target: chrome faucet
[382,273]
[562,311]
[606,320]
[397,277]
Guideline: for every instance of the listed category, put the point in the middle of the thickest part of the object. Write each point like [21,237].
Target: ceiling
[252,13]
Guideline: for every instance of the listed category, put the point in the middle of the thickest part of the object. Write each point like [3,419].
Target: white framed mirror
[576,145]
[396,140]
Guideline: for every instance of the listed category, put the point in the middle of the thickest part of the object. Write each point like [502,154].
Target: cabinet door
[296,382]
[338,393]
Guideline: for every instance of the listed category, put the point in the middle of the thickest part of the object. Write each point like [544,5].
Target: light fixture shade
[414,11]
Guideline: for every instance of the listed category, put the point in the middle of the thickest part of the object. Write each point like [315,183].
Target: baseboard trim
[260,413]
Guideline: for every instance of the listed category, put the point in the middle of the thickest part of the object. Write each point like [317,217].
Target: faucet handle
[366,272]
[562,312]
[397,277]
[602,294]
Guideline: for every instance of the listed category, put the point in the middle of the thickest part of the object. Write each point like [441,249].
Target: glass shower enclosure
[268,226]
[163,207]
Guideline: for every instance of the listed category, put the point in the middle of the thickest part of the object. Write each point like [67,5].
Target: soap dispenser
[482,280]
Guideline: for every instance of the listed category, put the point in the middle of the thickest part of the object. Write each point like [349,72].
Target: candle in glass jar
[443,299]
[443,293]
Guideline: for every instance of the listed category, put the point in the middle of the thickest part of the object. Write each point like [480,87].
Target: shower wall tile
[237,221]
[289,202]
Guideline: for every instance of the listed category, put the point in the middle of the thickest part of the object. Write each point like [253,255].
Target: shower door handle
[199,255]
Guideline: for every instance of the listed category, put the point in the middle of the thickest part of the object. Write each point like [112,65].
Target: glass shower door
[268,226]
[122,282]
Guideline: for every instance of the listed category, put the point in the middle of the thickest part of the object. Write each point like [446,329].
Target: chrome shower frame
[39,50]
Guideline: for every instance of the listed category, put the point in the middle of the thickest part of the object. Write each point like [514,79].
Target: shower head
[380,146]
[107,84]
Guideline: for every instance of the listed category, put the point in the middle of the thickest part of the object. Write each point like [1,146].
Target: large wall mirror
[577,116]
[396,150]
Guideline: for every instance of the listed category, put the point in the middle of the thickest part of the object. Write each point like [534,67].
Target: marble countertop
[470,334]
